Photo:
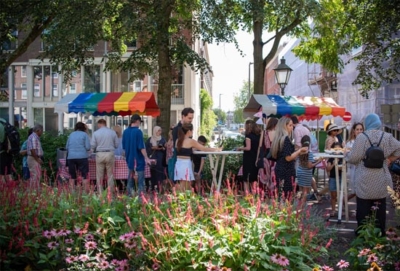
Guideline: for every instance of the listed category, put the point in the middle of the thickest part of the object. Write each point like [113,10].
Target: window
[55,90]
[36,90]
[23,71]
[55,75]
[137,86]
[72,88]
[23,91]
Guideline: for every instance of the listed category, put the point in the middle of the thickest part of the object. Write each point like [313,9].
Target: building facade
[33,87]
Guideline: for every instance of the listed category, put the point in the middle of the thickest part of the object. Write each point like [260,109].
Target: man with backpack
[5,155]
[371,154]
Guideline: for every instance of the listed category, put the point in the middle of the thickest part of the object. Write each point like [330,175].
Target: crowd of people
[289,147]
[288,155]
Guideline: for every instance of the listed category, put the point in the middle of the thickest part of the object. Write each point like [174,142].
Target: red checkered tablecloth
[121,169]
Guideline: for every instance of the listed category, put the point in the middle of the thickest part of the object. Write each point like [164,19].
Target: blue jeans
[140,176]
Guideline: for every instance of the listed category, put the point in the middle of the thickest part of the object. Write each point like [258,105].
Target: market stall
[109,104]
[308,108]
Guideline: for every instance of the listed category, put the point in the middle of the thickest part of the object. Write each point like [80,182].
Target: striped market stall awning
[309,108]
[109,104]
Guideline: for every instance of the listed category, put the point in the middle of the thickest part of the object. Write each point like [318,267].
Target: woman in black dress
[251,144]
[283,151]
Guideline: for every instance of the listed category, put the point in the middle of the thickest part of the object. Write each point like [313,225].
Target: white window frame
[36,90]
[55,74]
[72,86]
[24,94]
[23,71]
[55,90]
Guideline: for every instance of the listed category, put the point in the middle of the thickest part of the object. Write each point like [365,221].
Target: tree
[165,32]
[240,101]
[278,17]
[207,117]
[220,115]
[372,25]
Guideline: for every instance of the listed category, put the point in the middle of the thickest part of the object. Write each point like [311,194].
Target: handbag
[395,167]
[152,165]
[260,153]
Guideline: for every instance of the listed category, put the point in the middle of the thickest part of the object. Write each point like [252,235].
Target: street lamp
[282,75]
[250,63]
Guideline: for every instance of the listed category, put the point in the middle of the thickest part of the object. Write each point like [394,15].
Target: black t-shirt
[175,132]
[196,158]
[332,173]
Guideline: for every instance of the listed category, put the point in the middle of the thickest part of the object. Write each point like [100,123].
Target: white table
[214,165]
[343,187]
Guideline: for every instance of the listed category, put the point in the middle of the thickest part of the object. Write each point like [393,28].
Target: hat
[135,118]
[333,127]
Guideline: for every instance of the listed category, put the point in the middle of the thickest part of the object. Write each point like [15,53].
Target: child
[305,168]
[198,162]
[331,169]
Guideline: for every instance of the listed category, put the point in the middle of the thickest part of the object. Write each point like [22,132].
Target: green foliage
[50,141]
[207,116]
[355,23]
[220,115]
[240,100]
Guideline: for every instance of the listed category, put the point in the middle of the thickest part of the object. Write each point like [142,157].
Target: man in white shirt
[104,142]
[298,132]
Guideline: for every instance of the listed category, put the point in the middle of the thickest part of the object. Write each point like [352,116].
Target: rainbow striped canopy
[109,104]
[309,108]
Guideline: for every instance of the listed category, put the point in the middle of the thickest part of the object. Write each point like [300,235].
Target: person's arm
[35,156]
[200,147]
[296,154]
[87,143]
[201,165]
[93,143]
[247,147]
[23,150]
[146,158]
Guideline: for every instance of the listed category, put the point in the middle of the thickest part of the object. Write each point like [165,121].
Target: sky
[230,69]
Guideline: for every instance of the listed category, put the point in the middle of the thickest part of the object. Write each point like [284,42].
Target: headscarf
[372,122]
[154,138]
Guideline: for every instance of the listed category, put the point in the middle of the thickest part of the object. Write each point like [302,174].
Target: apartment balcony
[177,93]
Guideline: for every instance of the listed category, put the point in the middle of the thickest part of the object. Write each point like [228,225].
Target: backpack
[12,141]
[374,156]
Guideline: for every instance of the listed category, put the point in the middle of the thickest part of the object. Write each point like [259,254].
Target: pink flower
[342,264]
[69,249]
[390,232]
[364,252]
[327,268]
[63,232]
[90,245]
[103,265]
[71,259]
[47,234]
[155,266]
[372,258]
[101,257]
[90,265]
[69,241]
[130,244]
[89,237]
[279,259]
[52,245]
[84,258]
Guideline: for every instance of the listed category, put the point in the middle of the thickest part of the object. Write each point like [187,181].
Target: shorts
[183,170]
[5,163]
[78,165]
[332,183]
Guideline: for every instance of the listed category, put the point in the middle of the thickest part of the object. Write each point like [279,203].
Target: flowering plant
[372,250]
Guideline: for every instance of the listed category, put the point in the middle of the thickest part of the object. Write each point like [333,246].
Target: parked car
[230,134]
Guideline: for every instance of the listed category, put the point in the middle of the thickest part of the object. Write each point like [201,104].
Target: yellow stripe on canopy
[324,109]
[122,104]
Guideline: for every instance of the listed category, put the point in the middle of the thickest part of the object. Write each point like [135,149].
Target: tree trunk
[165,67]
[258,57]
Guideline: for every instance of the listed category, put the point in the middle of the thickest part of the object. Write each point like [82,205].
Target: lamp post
[282,75]
[250,63]
[220,101]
